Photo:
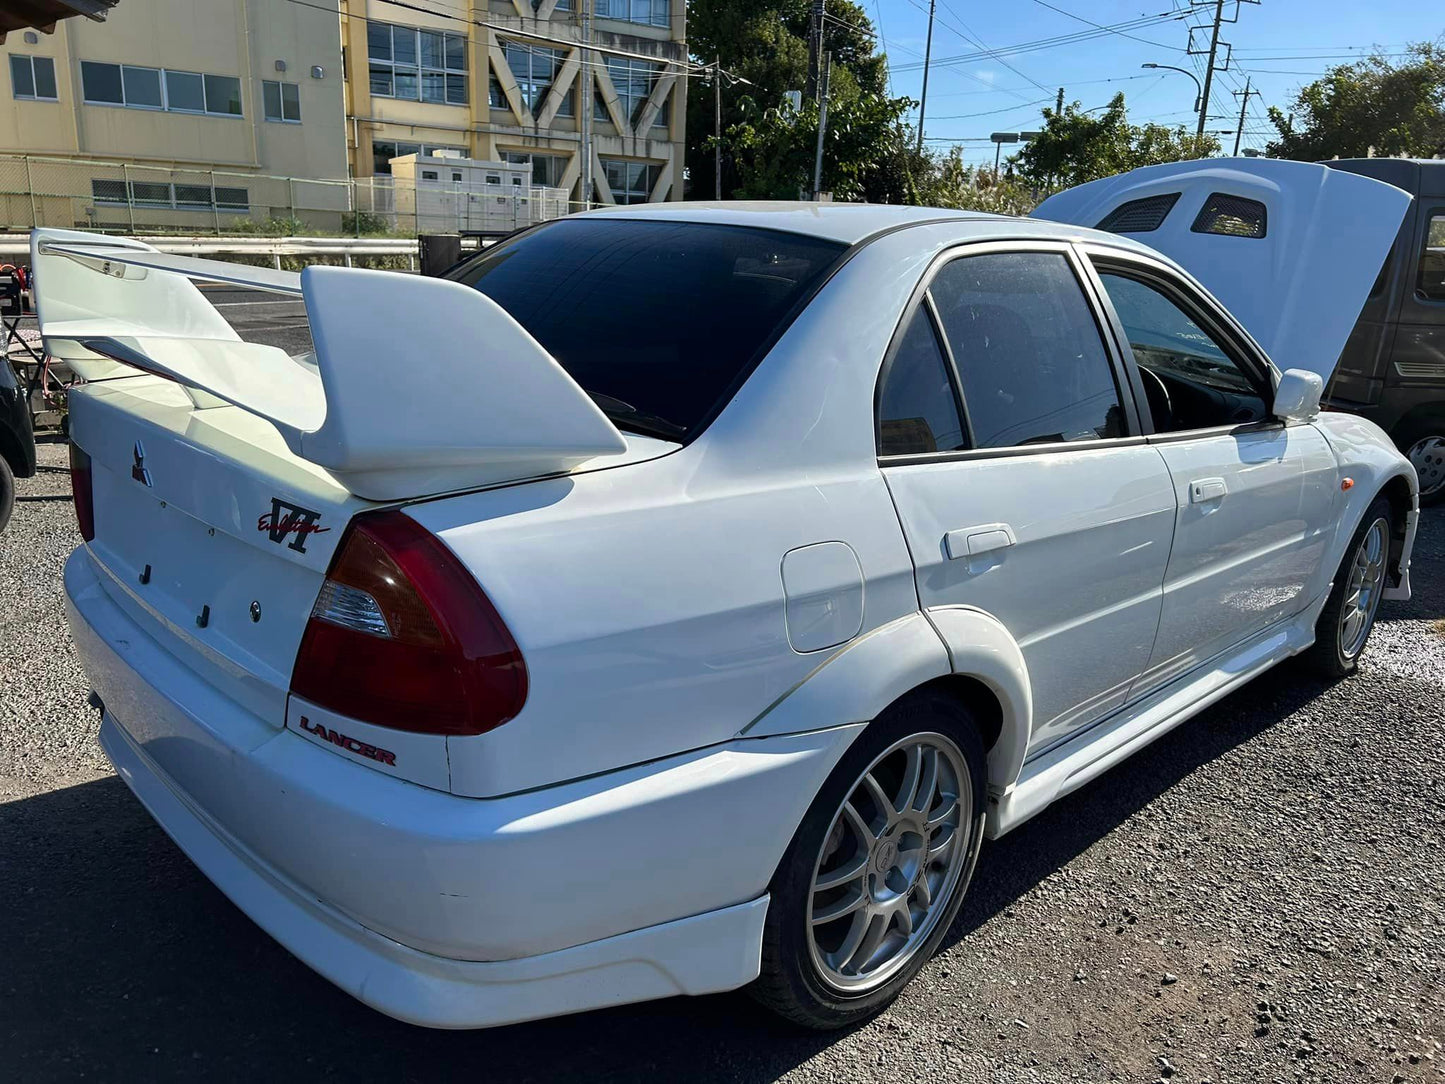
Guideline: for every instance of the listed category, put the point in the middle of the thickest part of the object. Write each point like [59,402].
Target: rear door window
[1028,350]
[659,322]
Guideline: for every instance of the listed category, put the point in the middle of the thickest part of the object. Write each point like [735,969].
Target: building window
[652,12]
[535,70]
[32,77]
[631,182]
[281,101]
[180,197]
[634,81]
[159,88]
[547,169]
[384,150]
[423,65]
[496,97]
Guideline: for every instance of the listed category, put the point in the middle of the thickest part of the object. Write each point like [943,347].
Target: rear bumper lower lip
[434,991]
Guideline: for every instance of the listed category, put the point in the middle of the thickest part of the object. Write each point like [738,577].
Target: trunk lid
[1290,248]
[214,536]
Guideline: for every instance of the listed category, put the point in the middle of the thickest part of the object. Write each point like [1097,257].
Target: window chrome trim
[1012,452]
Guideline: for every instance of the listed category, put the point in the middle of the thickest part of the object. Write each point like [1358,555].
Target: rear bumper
[705,953]
[450,911]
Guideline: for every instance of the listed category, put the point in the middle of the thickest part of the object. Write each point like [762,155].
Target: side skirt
[1067,767]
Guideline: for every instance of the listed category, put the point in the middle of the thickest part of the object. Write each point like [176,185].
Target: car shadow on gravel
[122,961]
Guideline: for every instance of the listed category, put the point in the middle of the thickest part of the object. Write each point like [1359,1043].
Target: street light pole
[1198,91]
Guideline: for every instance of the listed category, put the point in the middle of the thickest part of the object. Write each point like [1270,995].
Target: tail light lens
[81,490]
[402,636]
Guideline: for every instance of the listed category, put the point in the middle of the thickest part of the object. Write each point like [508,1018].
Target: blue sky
[1278,44]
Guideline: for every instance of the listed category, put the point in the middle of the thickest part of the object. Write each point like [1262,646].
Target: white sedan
[676,598]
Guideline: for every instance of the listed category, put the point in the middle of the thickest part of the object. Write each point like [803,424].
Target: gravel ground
[1257,897]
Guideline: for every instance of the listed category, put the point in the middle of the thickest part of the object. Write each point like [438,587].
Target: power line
[1090,22]
[1058,40]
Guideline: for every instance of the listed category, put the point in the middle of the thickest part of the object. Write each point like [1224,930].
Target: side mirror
[1297,398]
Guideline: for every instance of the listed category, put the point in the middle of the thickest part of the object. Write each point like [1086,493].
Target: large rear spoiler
[419,385]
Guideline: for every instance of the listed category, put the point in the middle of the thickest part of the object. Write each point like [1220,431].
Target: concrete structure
[591,94]
[164,93]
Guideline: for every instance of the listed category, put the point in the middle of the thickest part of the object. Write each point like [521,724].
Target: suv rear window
[658,321]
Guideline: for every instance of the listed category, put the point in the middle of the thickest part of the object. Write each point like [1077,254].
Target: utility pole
[1243,107]
[717,127]
[826,63]
[1209,71]
[1059,103]
[815,49]
[927,56]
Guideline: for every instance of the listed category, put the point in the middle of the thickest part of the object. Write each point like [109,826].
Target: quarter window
[1189,379]
[32,77]
[917,412]
[1028,350]
[1431,282]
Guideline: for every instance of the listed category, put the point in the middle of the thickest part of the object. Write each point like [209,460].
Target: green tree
[768,147]
[1370,106]
[1075,146]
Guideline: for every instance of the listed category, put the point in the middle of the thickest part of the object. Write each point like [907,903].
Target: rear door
[1024,486]
[1255,497]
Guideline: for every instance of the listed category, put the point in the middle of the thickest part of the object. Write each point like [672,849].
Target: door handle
[972,541]
[1204,490]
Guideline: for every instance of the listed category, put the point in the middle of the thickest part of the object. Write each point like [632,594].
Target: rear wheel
[7,492]
[1344,624]
[878,868]
[1423,443]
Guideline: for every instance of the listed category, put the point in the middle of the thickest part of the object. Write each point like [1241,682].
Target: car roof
[851,223]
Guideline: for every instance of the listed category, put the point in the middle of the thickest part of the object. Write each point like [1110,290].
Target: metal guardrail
[18,244]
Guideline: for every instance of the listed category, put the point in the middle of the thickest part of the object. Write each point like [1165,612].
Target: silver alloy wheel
[1362,591]
[1427,455]
[890,861]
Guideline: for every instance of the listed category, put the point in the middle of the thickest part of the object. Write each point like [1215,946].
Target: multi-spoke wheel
[891,852]
[878,867]
[1349,614]
[1427,455]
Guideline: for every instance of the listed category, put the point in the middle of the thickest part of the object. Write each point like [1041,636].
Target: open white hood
[1298,283]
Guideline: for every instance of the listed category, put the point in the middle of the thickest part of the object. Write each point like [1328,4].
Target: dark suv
[1392,369]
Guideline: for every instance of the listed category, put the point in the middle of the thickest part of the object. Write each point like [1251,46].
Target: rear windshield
[658,321]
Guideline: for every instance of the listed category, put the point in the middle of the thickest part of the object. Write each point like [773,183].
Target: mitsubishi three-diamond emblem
[138,468]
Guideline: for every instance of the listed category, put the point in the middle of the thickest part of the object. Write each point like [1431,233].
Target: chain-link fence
[133,199]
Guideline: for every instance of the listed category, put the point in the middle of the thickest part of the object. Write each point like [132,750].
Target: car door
[1254,497]
[1025,489]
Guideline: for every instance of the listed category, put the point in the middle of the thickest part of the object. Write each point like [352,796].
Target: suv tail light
[402,636]
[82,491]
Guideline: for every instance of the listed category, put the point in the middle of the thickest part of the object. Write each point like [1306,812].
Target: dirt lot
[1258,897]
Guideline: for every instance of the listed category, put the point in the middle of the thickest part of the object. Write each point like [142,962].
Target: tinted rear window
[658,321]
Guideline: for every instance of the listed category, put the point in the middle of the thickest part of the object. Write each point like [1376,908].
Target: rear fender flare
[856,682]
[979,646]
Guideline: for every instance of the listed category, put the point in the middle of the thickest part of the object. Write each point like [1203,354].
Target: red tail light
[402,636]
[80,489]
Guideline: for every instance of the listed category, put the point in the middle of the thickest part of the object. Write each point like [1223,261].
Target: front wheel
[878,868]
[1344,624]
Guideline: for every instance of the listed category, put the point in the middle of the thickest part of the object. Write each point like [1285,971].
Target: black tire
[7,492]
[1429,429]
[790,982]
[1330,655]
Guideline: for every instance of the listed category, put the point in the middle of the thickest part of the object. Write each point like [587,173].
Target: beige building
[591,94]
[173,111]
